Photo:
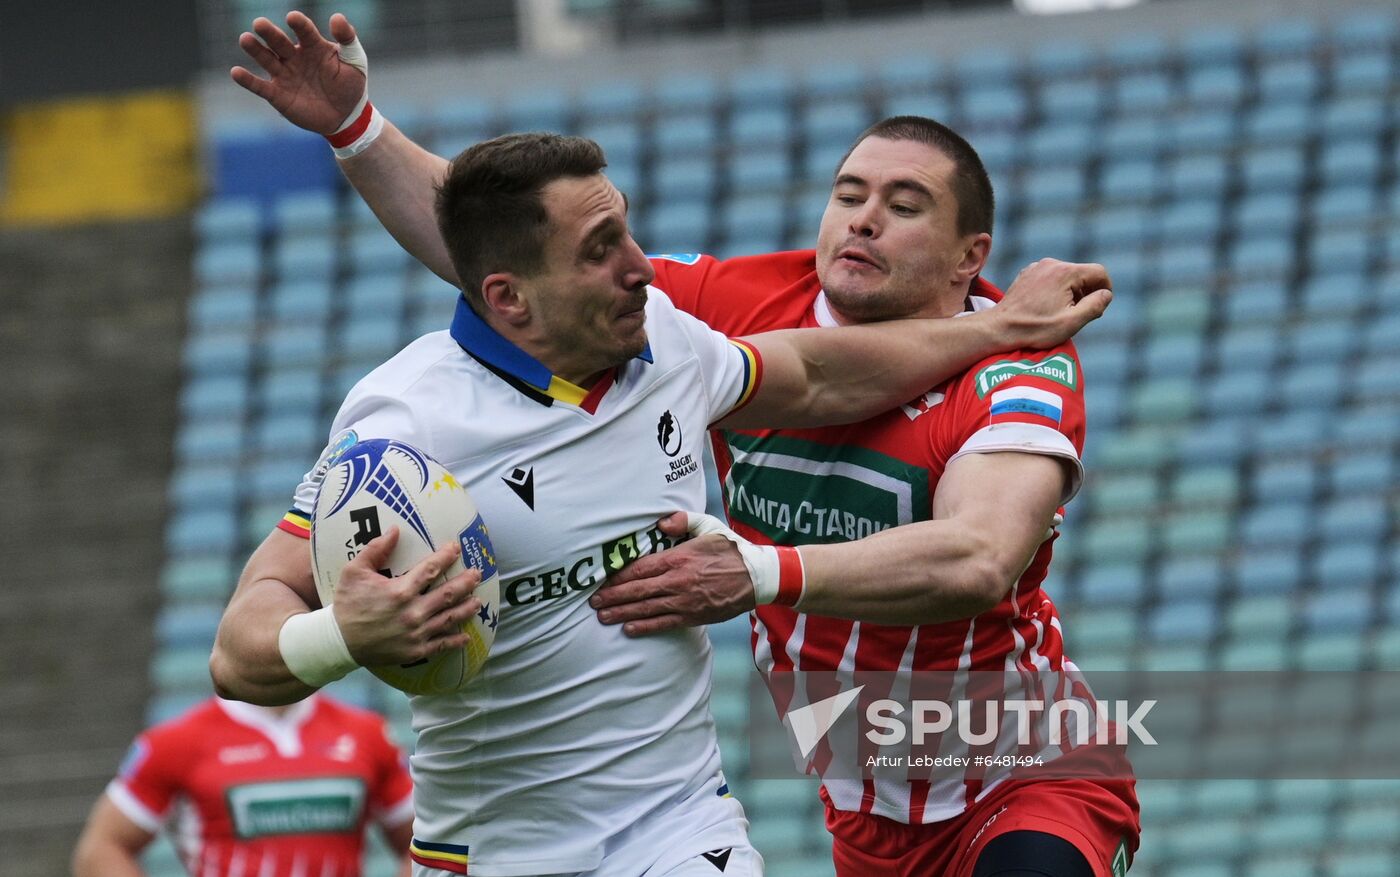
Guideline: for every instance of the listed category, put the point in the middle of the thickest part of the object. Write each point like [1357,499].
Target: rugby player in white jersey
[577,750]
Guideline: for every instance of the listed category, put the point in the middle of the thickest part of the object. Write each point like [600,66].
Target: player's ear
[502,294]
[979,247]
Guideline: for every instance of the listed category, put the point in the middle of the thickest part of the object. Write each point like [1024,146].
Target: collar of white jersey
[980,296]
[492,349]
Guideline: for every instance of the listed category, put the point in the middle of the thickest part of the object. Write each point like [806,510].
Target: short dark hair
[970,183]
[490,207]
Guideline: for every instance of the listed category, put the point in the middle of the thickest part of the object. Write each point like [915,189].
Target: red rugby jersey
[249,793]
[835,484]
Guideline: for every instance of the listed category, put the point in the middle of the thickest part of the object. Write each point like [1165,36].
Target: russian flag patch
[1027,405]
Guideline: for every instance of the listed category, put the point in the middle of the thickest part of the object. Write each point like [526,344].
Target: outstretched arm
[991,512]
[816,377]
[322,85]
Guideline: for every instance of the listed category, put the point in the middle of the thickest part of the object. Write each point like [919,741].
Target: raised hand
[1051,300]
[315,83]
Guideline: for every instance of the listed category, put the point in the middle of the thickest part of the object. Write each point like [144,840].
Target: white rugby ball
[381,483]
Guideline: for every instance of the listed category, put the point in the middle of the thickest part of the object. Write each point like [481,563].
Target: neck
[950,303]
[534,340]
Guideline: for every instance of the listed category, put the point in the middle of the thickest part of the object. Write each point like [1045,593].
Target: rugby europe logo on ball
[381,483]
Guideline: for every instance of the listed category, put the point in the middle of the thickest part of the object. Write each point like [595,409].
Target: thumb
[701,524]
[673,524]
[342,30]
[1095,303]
[375,555]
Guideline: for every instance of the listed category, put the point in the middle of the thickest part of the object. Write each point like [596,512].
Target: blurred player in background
[989,456]
[255,791]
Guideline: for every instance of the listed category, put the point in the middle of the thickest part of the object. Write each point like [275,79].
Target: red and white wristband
[776,571]
[361,129]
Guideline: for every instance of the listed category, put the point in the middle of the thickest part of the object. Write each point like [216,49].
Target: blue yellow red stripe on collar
[473,335]
[444,857]
[296,523]
[753,371]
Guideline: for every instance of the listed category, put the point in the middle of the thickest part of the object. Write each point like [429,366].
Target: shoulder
[1057,368]
[403,370]
[782,268]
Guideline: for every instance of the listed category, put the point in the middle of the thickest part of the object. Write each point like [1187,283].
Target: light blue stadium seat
[765,127]
[369,337]
[987,65]
[1289,37]
[202,532]
[1121,226]
[1047,234]
[1197,220]
[682,226]
[379,295]
[1173,356]
[1183,621]
[1217,85]
[1271,569]
[209,485]
[224,308]
[1351,162]
[1354,117]
[1200,532]
[1377,380]
[1383,334]
[1367,72]
[1367,427]
[1373,27]
[1278,523]
[1113,585]
[1273,169]
[1215,45]
[1284,480]
[692,178]
[1367,472]
[1324,341]
[304,257]
[993,106]
[619,99]
[1205,131]
[753,216]
[1311,385]
[228,263]
[686,94]
[1348,564]
[1261,258]
[760,171]
[1341,609]
[1185,264]
[209,441]
[1104,361]
[289,390]
[758,87]
[226,220]
[685,134]
[909,74]
[273,480]
[1222,439]
[299,435]
[1210,486]
[1347,863]
[305,213]
[1264,301]
[819,163]
[1000,151]
[809,206]
[1292,432]
[373,250]
[1246,350]
[1144,93]
[1137,137]
[215,396]
[622,139]
[209,353]
[545,110]
[1061,143]
[293,347]
[1121,540]
[1350,205]
[1134,181]
[188,625]
[1267,213]
[1138,51]
[1354,518]
[1131,493]
[1191,577]
[1288,80]
[1368,824]
[1060,60]
[1245,391]
[834,122]
[932,105]
[297,302]
[1072,100]
[834,81]
[1194,175]
[1276,123]
[198,579]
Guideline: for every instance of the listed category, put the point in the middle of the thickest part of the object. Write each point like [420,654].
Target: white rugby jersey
[572,732]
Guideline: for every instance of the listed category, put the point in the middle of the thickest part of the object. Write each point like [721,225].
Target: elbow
[221,674]
[986,585]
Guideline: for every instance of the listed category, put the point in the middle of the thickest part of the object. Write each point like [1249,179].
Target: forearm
[246,663]
[922,573]
[816,377]
[398,180]
[102,858]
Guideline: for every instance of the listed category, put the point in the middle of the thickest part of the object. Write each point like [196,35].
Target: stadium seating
[1243,391]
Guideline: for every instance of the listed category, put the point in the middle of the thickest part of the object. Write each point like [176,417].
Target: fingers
[623,593]
[304,28]
[279,43]
[260,53]
[421,577]
[638,611]
[260,87]
[375,555]
[1091,276]
[651,626]
[641,568]
[1095,303]
[342,29]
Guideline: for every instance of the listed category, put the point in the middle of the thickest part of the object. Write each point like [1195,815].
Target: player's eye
[903,209]
[846,200]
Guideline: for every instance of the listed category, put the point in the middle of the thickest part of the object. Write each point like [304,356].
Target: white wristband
[313,648]
[360,130]
[776,571]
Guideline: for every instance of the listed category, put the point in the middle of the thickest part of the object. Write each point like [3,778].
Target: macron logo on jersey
[1027,405]
[810,723]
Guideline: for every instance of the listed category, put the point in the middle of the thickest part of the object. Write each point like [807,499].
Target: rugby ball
[381,483]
